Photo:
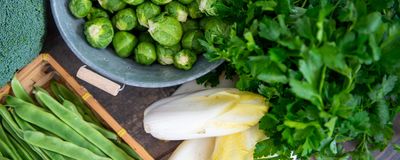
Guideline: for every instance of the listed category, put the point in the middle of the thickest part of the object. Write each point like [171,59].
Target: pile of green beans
[55,125]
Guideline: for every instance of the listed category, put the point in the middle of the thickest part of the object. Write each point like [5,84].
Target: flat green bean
[21,123]
[24,125]
[71,106]
[22,151]
[69,95]
[55,91]
[10,150]
[83,128]
[53,155]
[41,153]
[78,111]
[59,146]
[31,151]
[13,129]
[6,140]
[38,100]
[3,158]
[5,149]
[128,149]
[49,122]
[106,133]
[7,118]
[19,90]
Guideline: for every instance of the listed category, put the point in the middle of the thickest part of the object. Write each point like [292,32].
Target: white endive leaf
[194,149]
[207,113]
[238,146]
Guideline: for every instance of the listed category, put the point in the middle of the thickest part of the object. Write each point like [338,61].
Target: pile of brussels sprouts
[165,31]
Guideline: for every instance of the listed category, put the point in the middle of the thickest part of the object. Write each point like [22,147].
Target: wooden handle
[98,81]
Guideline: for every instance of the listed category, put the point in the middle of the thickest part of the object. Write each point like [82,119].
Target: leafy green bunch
[330,69]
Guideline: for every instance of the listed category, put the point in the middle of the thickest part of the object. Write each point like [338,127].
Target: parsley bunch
[329,68]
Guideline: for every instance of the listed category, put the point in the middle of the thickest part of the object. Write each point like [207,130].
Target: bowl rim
[103,72]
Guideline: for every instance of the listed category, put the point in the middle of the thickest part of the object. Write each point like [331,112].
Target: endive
[207,113]
[194,149]
[238,146]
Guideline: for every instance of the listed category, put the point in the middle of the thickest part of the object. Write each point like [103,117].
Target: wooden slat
[45,79]
[27,70]
[29,79]
[4,91]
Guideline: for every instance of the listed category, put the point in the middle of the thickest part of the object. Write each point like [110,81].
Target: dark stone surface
[127,108]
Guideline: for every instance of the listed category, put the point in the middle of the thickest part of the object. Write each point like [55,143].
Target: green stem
[320,87]
[348,88]
[322,81]
[304,4]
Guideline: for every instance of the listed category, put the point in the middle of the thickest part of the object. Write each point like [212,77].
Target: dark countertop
[128,107]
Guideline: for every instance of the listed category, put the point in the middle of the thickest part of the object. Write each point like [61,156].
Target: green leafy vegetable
[145,11]
[165,30]
[112,5]
[99,32]
[97,13]
[329,68]
[80,8]
[125,19]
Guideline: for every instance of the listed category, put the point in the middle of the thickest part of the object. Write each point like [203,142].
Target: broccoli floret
[22,31]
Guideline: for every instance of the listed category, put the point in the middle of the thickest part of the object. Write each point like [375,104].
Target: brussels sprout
[177,10]
[125,19]
[145,37]
[190,40]
[145,53]
[165,56]
[165,30]
[96,13]
[194,11]
[208,7]
[185,59]
[161,2]
[145,11]
[216,30]
[123,43]
[175,48]
[190,25]
[186,1]
[134,2]
[80,8]
[99,32]
[112,5]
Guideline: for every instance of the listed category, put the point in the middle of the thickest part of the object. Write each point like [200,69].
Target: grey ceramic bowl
[126,71]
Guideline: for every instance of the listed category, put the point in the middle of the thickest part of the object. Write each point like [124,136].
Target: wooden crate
[44,68]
